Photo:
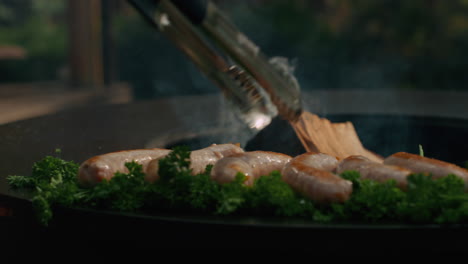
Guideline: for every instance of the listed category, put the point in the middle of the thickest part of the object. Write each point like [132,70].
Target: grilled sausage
[311,175]
[104,166]
[419,164]
[319,161]
[199,159]
[374,170]
[252,164]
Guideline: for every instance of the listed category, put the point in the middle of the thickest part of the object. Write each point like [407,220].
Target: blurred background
[350,56]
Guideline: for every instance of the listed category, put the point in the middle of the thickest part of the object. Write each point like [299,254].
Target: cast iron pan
[198,121]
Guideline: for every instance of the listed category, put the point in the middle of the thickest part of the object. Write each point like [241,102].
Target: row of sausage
[314,175]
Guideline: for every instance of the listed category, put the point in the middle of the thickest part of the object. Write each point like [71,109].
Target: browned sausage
[104,166]
[199,159]
[419,164]
[252,164]
[374,170]
[311,175]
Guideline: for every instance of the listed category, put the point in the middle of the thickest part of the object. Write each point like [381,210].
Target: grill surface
[197,122]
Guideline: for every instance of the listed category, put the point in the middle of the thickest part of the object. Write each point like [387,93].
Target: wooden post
[85,44]
[108,54]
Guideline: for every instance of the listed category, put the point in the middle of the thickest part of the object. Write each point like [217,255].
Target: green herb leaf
[421,151]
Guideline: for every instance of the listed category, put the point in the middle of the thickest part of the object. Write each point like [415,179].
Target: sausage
[199,159]
[311,174]
[98,168]
[419,164]
[319,161]
[105,166]
[252,164]
[374,170]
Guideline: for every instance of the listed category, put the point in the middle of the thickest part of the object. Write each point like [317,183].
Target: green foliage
[53,180]
[54,169]
[371,44]
[43,36]
[21,182]
[124,192]
[175,164]
[430,200]
[270,195]
[426,200]
[371,201]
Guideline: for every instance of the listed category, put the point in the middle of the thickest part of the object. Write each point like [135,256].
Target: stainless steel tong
[259,88]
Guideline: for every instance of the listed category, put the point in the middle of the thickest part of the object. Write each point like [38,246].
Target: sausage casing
[311,175]
[103,167]
[372,170]
[252,164]
[419,164]
[199,159]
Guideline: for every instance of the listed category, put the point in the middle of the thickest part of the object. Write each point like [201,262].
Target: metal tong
[258,87]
